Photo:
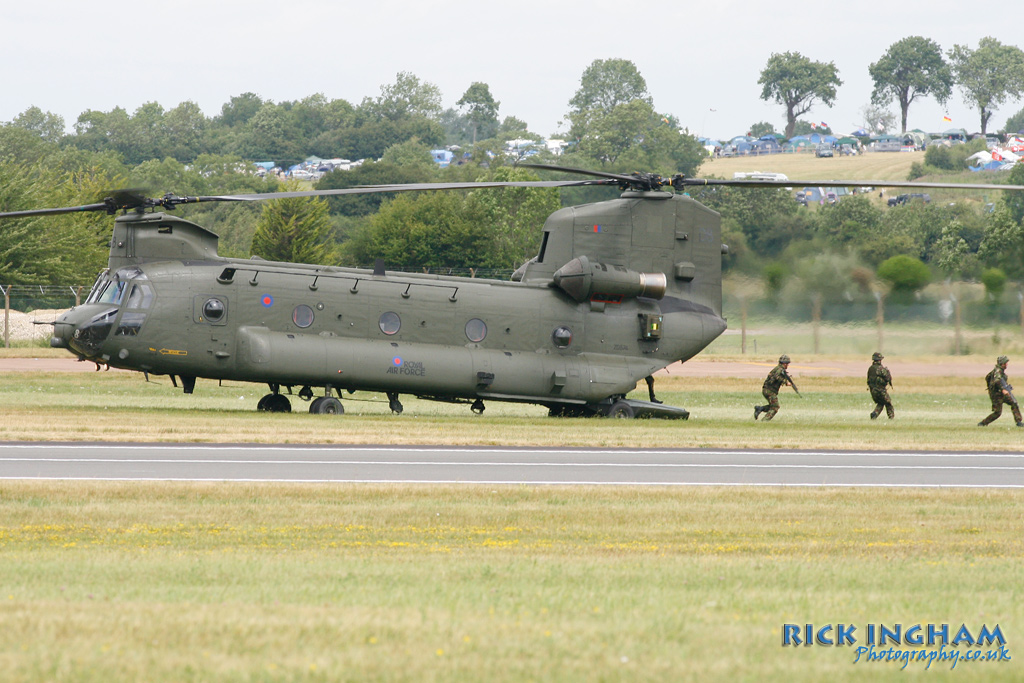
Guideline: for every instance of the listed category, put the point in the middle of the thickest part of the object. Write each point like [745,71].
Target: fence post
[7,316]
[880,318]
[1020,297]
[956,322]
[816,318]
[743,324]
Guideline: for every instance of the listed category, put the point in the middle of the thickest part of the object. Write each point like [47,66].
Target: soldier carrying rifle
[878,379]
[1000,391]
[778,376]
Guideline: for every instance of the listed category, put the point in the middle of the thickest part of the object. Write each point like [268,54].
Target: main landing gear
[276,402]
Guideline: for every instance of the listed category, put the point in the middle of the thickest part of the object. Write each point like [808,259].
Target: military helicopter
[618,290]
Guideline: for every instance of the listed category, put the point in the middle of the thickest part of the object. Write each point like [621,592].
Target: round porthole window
[562,337]
[302,316]
[476,330]
[213,310]
[390,323]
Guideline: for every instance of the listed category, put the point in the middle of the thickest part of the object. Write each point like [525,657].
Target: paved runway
[487,465]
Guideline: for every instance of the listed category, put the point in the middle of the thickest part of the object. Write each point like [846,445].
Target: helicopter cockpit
[84,328]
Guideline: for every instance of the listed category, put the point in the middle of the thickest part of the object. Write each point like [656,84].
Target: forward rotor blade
[50,212]
[408,187]
[748,182]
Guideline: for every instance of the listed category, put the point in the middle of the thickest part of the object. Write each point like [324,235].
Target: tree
[797,83]
[515,216]
[994,280]
[605,84]
[424,230]
[48,127]
[407,97]
[239,109]
[989,75]
[482,109]
[50,249]
[184,127]
[911,68]
[269,136]
[1014,199]
[1015,123]
[877,119]
[761,129]
[294,229]
[905,274]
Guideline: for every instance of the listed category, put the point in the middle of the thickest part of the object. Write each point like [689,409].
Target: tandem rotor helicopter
[618,290]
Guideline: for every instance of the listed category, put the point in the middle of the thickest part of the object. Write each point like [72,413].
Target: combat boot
[874,416]
[757,411]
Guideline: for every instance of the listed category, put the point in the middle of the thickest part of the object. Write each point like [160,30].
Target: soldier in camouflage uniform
[878,379]
[1000,391]
[770,389]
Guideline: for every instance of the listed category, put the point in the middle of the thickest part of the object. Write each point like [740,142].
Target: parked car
[823,151]
[901,199]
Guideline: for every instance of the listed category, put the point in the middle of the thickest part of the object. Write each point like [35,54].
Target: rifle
[791,383]
[1008,388]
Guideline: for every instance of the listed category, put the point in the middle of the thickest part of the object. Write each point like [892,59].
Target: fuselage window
[302,316]
[562,337]
[213,310]
[476,330]
[130,325]
[390,323]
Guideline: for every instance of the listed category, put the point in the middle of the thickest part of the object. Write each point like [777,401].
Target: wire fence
[28,309]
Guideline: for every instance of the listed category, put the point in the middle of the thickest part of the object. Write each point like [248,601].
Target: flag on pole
[947,119]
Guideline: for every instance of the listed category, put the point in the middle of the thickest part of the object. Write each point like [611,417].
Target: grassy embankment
[172,582]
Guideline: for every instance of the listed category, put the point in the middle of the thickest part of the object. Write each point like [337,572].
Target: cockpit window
[141,297]
[112,293]
[97,287]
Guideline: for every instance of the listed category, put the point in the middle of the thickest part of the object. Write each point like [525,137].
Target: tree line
[614,126]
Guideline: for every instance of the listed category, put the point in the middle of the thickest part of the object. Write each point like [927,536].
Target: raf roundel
[397,361]
[267,300]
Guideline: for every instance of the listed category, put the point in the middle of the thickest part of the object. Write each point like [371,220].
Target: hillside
[877,166]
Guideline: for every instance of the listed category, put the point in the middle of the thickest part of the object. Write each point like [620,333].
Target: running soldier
[878,379]
[770,389]
[1000,391]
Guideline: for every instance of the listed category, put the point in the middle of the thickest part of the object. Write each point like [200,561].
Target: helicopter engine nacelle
[583,280]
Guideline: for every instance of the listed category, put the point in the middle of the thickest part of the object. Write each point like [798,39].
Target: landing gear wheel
[274,403]
[621,410]
[327,405]
[478,407]
[394,403]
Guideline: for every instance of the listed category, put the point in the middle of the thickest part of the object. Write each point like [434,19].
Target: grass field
[281,582]
[933,413]
[168,582]
[877,166]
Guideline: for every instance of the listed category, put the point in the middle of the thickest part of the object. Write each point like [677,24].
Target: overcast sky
[701,60]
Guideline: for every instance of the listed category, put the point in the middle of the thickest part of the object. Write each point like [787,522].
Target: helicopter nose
[83,330]
[62,332]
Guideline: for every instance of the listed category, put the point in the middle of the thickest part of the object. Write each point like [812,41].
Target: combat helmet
[877,356]
[1002,360]
[783,359]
